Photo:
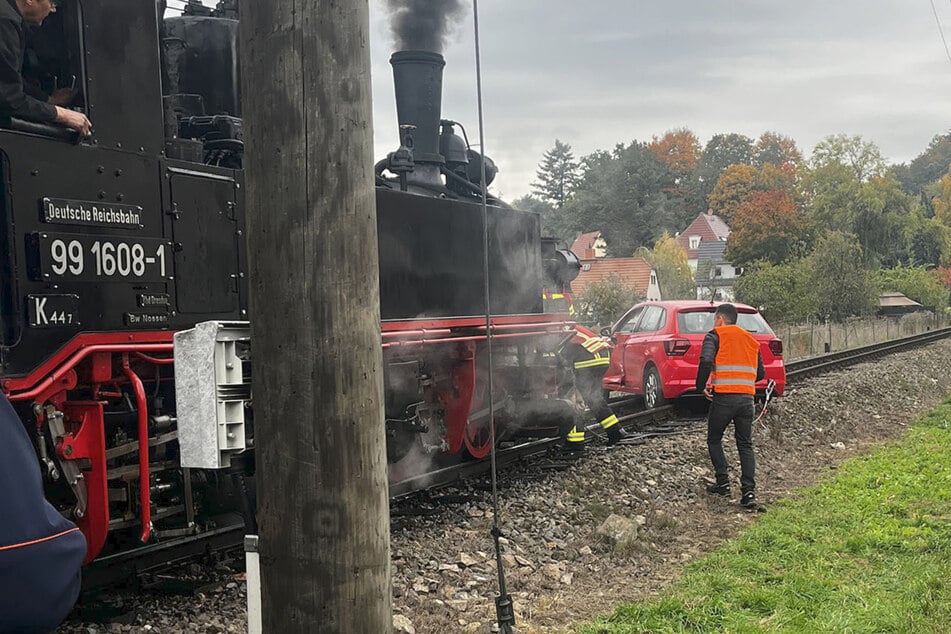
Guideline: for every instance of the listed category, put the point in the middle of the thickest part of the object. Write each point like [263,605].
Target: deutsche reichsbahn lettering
[52,311]
[95,214]
[145,319]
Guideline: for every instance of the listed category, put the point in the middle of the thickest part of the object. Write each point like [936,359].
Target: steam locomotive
[123,299]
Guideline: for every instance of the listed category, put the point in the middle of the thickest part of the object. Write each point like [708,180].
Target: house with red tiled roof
[636,273]
[589,245]
[705,228]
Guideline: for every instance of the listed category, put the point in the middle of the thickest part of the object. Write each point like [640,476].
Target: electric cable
[504,609]
[937,20]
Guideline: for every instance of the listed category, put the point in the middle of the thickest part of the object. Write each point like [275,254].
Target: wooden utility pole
[323,510]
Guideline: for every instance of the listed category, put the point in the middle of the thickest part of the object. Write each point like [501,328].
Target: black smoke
[423,25]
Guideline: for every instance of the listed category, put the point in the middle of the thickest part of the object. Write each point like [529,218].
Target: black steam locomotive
[123,299]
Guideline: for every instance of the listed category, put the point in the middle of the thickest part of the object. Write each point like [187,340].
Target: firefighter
[41,552]
[730,357]
[589,356]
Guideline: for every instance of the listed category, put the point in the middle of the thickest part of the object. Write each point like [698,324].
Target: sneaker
[616,434]
[719,489]
[748,501]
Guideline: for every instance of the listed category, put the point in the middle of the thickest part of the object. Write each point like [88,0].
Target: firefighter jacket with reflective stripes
[586,350]
[730,356]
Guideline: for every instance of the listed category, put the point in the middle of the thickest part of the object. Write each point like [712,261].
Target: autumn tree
[844,286]
[737,182]
[733,187]
[773,148]
[679,151]
[768,226]
[557,175]
[674,275]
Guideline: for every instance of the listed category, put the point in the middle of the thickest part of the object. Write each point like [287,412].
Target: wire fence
[808,340]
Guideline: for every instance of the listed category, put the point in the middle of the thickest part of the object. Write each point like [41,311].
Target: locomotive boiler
[123,295]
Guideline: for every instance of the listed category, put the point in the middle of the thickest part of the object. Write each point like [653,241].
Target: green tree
[603,302]
[557,175]
[862,157]
[783,293]
[916,283]
[674,276]
[928,241]
[926,168]
[547,212]
[621,194]
[844,286]
[876,210]
[720,152]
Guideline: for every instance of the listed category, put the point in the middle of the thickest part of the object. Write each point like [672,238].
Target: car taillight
[676,347]
[776,347]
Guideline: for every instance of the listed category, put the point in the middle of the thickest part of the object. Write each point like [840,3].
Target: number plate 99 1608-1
[71,257]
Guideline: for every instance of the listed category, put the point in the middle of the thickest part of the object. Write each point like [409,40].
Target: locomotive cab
[109,247]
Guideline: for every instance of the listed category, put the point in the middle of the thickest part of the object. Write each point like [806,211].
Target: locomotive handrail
[67,366]
[43,129]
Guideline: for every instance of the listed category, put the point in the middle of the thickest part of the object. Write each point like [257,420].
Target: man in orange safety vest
[731,359]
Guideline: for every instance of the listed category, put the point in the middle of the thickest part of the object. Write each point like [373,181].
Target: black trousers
[738,409]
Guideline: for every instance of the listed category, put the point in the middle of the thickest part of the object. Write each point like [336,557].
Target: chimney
[417,79]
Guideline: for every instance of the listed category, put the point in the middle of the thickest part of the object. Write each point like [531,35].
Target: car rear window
[697,322]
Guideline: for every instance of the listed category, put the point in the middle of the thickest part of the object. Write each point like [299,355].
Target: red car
[657,349]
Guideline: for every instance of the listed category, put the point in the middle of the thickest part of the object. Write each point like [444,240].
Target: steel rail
[111,569]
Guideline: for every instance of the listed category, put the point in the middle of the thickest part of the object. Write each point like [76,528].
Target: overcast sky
[600,72]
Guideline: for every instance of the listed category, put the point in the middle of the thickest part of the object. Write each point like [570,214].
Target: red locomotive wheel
[478,438]
[478,432]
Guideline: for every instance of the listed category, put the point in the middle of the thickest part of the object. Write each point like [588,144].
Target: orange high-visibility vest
[734,369]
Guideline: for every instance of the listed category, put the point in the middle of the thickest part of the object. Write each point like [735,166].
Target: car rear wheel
[653,391]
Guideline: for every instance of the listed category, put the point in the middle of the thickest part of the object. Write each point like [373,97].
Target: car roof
[680,304]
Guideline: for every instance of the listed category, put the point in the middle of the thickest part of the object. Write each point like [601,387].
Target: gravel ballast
[618,525]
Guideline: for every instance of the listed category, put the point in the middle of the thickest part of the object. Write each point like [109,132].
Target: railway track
[643,425]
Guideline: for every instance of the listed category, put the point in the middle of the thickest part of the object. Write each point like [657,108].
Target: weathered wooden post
[312,247]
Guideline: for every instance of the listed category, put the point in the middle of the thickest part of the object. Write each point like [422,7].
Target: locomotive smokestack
[417,77]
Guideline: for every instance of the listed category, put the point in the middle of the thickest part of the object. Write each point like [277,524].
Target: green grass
[867,551]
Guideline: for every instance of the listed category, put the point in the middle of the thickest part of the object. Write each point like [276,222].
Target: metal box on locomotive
[113,244]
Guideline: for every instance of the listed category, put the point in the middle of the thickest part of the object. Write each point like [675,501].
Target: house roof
[633,272]
[709,254]
[895,299]
[583,246]
[710,228]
